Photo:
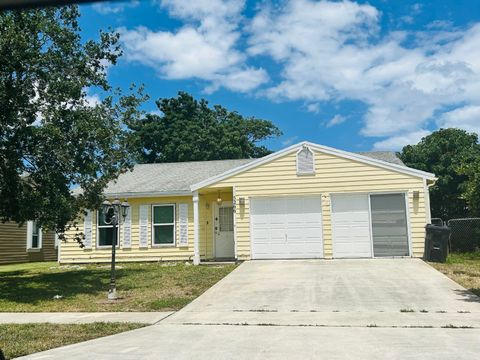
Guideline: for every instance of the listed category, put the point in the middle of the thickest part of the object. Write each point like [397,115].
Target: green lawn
[23,339]
[142,286]
[464,269]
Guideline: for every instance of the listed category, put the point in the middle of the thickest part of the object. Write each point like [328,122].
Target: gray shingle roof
[388,156]
[177,178]
[169,177]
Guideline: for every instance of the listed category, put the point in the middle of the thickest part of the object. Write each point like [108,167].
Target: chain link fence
[464,234]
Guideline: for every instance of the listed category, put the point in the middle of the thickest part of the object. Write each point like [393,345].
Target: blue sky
[355,75]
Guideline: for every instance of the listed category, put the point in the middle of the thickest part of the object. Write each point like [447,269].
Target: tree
[444,153]
[471,169]
[190,130]
[52,139]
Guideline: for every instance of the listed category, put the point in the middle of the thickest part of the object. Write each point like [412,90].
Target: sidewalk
[83,318]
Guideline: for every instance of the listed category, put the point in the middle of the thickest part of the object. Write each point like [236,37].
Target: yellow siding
[72,253]
[276,178]
[333,175]
[13,245]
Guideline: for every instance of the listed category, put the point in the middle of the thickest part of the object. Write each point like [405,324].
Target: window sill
[163,245]
[34,250]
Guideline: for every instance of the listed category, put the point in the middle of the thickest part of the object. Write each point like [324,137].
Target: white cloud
[397,142]
[332,51]
[207,11]
[111,7]
[467,118]
[204,48]
[326,51]
[93,100]
[186,53]
[156,112]
[336,120]
[407,19]
[289,141]
[416,8]
[440,24]
[313,108]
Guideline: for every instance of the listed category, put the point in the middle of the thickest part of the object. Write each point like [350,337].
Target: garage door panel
[351,226]
[358,226]
[291,225]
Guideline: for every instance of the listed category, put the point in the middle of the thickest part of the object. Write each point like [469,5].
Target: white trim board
[320,148]
[132,195]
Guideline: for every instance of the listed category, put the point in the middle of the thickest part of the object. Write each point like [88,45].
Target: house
[26,243]
[305,201]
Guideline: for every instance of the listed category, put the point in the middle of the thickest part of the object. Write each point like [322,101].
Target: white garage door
[351,226]
[286,228]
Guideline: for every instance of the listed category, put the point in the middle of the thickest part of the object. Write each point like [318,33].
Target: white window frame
[104,227]
[30,237]
[307,148]
[57,240]
[157,224]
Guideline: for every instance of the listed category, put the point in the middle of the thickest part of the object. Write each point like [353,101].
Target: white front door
[351,226]
[286,227]
[223,226]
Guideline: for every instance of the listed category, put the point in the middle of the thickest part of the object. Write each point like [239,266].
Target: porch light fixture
[241,201]
[219,199]
[115,213]
[416,195]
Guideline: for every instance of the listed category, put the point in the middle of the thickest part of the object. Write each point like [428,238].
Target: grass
[142,286]
[23,339]
[463,269]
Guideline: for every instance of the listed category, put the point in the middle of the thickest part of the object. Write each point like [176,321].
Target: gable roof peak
[321,148]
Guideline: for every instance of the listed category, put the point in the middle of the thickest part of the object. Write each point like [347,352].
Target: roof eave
[148,194]
[366,159]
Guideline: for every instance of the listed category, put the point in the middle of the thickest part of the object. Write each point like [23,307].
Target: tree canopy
[451,155]
[52,138]
[189,130]
[471,169]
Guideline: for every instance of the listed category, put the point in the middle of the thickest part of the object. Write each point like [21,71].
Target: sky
[355,75]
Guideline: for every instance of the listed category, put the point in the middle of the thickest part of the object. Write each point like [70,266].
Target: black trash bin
[436,243]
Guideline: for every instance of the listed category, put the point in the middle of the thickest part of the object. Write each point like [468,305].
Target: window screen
[164,225]
[305,162]
[389,225]
[35,236]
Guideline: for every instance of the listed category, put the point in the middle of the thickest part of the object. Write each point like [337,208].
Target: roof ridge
[190,162]
[376,151]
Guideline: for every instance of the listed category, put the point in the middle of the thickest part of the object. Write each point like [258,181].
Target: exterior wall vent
[305,161]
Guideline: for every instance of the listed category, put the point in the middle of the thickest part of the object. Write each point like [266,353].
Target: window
[163,224]
[105,231]
[305,161]
[34,235]
[226,218]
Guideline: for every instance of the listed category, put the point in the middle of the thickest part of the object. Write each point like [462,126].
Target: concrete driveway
[341,309]
[382,292]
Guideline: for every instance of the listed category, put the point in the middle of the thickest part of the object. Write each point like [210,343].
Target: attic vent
[305,161]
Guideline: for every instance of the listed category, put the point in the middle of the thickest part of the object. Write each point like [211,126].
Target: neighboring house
[26,243]
[305,201]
